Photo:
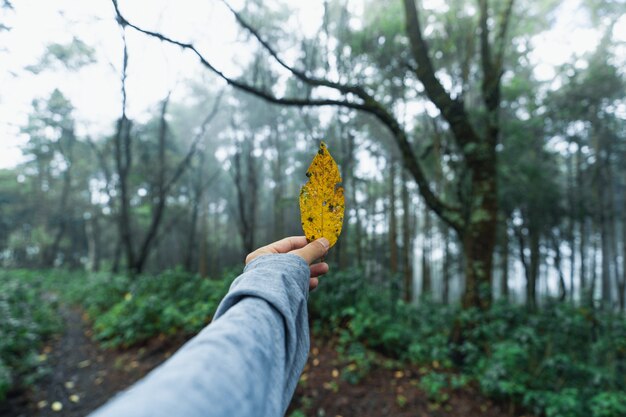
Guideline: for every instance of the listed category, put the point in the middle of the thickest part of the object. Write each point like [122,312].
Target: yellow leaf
[321,199]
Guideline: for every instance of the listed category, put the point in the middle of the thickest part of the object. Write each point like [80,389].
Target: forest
[147,147]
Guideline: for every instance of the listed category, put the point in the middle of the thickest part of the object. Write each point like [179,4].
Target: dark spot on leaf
[310,219]
[331,207]
[321,151]
[313,237]
[324,203]
[308,174]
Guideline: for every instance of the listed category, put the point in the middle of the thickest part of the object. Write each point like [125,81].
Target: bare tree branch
[184,163]
[452,110]
[159,209]
[344,88]
[368,105]
[104,166]
[485,48]
[265,95]
[123,160]
[505,20]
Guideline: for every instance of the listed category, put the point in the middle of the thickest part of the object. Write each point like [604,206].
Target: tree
[583,113]
[52,142]
[164,179]
[475,219]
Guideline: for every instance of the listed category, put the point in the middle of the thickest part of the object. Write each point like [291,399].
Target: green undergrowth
[127,311]
[562,361]
[28,317]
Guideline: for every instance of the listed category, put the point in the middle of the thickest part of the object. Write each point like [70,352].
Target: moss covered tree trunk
[479,237]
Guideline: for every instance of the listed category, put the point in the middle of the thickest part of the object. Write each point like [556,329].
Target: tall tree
[475,219]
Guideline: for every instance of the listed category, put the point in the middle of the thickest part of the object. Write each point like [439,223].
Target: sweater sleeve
[247,362]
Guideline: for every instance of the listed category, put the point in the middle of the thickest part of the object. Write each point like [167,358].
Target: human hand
[298,245]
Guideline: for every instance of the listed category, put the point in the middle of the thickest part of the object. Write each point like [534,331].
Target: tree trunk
[92,232]
[603,221]
[66,151]
[358,225]
[279,189]
[571,224]
[479,237]
[535,263]
[446,265]
[612,230]
[594,269]
[504,278]
[530,264]
[606,256]
[622,283]
[426,273]
[203,267]
[582,219]
[244,167]
[557,264]
[191,235]
[198,188]
[393,224]
[407,241]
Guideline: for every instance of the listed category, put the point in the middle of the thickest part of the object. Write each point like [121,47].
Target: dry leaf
[321,199]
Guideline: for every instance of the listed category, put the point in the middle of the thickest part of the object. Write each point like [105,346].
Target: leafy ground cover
[126,312]
[561,361]
[27,318]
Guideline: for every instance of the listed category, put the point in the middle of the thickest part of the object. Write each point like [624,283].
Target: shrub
[170,303]
[561,361]
[608,404]
[29,316]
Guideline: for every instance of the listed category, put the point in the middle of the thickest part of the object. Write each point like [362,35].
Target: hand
[298,246]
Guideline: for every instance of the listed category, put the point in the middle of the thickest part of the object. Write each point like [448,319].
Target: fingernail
[324,242]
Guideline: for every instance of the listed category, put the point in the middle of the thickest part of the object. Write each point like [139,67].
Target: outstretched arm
[248,361]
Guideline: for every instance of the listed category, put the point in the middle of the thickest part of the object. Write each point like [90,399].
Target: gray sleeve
[247,362]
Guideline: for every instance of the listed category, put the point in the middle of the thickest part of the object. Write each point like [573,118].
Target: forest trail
[82,376]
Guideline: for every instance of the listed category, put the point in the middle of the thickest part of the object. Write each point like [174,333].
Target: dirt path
[82,376]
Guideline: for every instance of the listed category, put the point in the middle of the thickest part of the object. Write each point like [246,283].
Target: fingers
[298,246]
[288,244]
[285,245]
[319,269]
[261,251]
[313,250]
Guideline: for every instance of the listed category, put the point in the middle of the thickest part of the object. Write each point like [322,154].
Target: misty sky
[155,69]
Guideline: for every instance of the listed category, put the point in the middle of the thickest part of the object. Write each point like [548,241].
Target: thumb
[313,250]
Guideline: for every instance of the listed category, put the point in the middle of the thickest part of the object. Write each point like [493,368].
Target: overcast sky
[154,68]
